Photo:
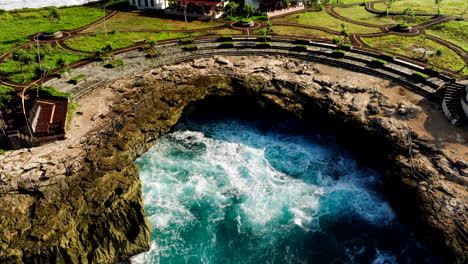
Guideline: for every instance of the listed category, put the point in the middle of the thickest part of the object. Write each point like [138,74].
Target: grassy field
[15,27]
[359,13]
[302,32]
[448,7]
[227,31]
[322,19]
[453,31]
[118,40]
[126,21]
[51,56]
[414,47]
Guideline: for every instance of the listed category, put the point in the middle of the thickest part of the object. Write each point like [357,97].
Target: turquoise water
[239,190]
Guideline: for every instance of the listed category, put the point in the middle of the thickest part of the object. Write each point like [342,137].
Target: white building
[154,4]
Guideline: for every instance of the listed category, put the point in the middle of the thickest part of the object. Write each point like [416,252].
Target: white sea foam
[194,185]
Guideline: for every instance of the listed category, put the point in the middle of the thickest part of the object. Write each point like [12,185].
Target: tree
[286,3]
[54,17]
[185,11]
[232,7]
[269,27]
[388,5]
[23,58]
[249,9]
[344,32]
[438,3]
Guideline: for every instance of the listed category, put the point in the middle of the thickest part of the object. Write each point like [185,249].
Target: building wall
[153,4]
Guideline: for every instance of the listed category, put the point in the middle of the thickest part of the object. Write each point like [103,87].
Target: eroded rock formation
[94,213]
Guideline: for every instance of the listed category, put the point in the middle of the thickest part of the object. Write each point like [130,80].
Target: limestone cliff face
[97,216]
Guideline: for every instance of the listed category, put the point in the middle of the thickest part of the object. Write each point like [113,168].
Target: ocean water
[18,4]
[237,190]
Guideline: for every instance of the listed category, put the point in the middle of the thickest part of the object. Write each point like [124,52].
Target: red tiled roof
[51,118]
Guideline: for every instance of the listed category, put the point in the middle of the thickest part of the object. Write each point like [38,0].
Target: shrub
[225,38]
[337,40]
[153,54]
[419,76]
[76,79]
[439,52]
[185,41]
[378,62]
[263,45]
[227,45]
[6,94]
[386,56]
[114,63]
[339,53]
[59,73]
[346,47]
[105,57]
[190,47]
[265,38]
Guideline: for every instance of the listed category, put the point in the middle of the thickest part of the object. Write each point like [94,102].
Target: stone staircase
[452,106]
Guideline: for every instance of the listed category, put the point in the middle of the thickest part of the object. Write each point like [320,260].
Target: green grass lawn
[448,7]
[12,68]
[322,19]
[118,40]
[414,47]
[302,32]
[126,21]
[359,13]
[453,31]
[15,27]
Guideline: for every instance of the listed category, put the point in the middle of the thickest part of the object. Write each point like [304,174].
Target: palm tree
[54,17]
[388,5]
[61,62]
[438,3]
[232,7]
[344,32]
[249,9]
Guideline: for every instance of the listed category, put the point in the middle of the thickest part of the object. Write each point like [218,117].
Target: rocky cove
[91,210]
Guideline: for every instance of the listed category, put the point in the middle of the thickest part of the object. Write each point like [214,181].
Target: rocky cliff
[94,213]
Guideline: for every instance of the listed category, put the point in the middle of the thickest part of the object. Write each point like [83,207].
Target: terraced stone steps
[452,106]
